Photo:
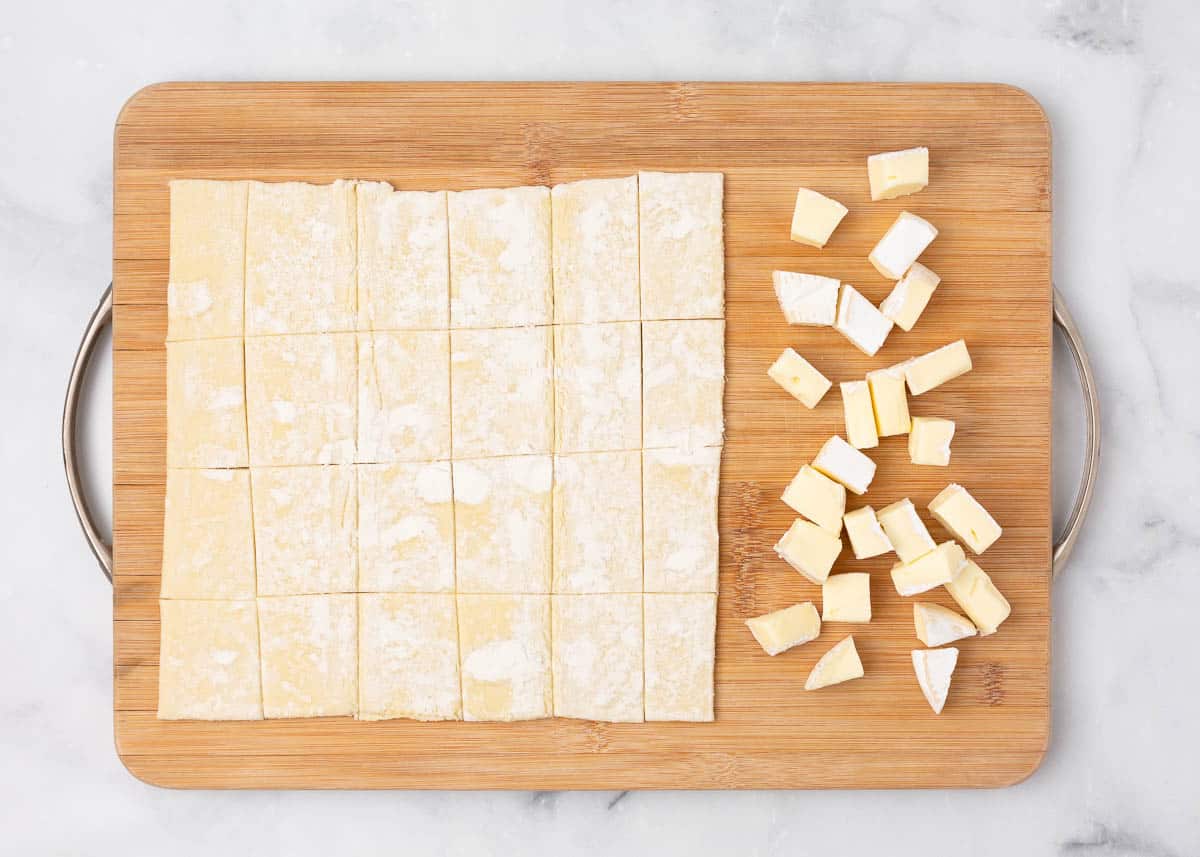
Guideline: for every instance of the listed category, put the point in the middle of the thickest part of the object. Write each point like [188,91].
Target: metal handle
[100,319]
[1065,543]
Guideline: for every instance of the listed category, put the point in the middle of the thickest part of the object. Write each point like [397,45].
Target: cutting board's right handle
[100,319]
[1065,543]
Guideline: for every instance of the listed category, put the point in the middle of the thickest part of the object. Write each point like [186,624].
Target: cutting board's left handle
[100,319]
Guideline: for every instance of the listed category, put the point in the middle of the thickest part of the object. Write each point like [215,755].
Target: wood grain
[990,197]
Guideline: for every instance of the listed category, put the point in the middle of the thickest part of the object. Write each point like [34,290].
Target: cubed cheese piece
[929,441]
[964,516]
[843,463]
[888,401]
[905,240]
[818,498]
[906,530]
[846,598]
[937,625]
[779,631]
[806,298]
[867,537]
[937,367]
[809,549]
[934,668]
[799,377]
[839,664]
[815,217]
[894,174]
[860,416]
[859,321]
[979,598]
[937,567]
[910,296]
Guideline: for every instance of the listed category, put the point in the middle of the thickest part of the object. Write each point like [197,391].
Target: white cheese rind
[937,367]
[815,217]
[792,626]
[818,498]
[859,415]
[843,463]
[867,538]
[906,530]
[905,240]
[809,549]
[937,625]
[839,664]
[859,321]
[929,441]
[934,669]
[964,516]
[910,296]
[800,378]
[894,174]
[806,298]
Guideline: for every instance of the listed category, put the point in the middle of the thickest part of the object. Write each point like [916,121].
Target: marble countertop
[1121,83]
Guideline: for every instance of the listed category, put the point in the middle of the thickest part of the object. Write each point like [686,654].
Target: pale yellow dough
[208,661]
[500,257]
[598,387]
[206,404]
[301,395]
[598,657]
[502,510]
[683,383]
[408,657]
[680,635]
[505,651]
[206,285]
[405,528]
[300,258]
[598,522]
[682,245]
[679,499]
[595,250]
[309,655]
[208,539]
[403,259]
[305,521]
[403,396]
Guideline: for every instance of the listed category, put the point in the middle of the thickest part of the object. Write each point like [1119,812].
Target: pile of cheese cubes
[876,407]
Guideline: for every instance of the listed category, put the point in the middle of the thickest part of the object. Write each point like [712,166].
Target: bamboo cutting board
[990,197]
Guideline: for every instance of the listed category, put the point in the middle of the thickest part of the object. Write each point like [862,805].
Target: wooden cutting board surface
[990,197]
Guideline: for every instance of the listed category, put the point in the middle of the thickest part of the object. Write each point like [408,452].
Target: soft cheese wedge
[867,538]
[800,378]
[979,598]
[792,626]
[894,174]
[859,321]
[843,463]
[910,296]
[888,401]
[859,414]
[905,240]
[937,625]
[936,568]
[929,441]
[809,549]
[806,298]
[964,516]
[846,597]
[815,217]
[934,667]
[839,664]
[818,498]
[937,367]
[906,530]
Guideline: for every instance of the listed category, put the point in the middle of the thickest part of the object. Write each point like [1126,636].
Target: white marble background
[1121,82]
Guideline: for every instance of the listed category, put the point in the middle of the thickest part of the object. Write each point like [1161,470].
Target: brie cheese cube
[792,626]
[843,463]
[910,296]
[979,598]
[934,667]
[839,664]
[929,441]
[964,516]
[815,217]
[846,597]
[860,415]
[905,240]
[937,367]
[818,498]
[888,400]
[799,377]
[806,298]
[894,174]
[906,530]
[936,568]
[937,625]
[867,537]
[859,321]
[809,549]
